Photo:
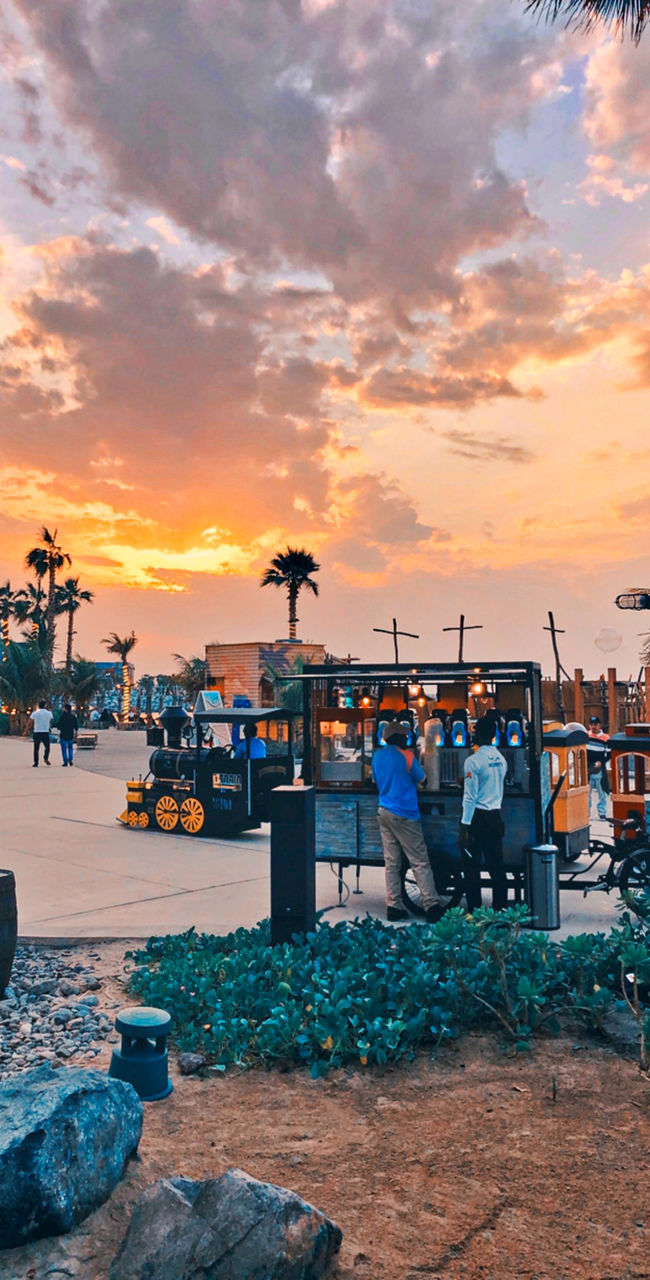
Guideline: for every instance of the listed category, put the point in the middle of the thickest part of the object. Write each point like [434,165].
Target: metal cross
[559,669]
[462,629]
[395,633]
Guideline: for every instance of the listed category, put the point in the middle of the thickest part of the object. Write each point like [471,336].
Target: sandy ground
[473,1166]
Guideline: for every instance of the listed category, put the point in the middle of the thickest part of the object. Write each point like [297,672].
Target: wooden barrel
[8,926]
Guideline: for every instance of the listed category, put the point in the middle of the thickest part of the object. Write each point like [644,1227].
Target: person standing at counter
[481,828]
[397,773]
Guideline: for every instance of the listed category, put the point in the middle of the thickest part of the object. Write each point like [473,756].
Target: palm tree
[622,15]
[23,678]
[291,569]
[30,607]
[68,599]
[10,601]
[123,647]
[83,681]
[46,559]
[190,675]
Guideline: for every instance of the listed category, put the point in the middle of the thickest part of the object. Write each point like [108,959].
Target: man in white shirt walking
[481,829]
[42,720]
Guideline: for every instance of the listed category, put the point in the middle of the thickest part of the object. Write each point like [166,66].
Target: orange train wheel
[166,813]
[192,815]
[132,818]
[143,819]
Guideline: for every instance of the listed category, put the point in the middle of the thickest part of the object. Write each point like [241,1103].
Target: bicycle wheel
[635,872]
[448,877]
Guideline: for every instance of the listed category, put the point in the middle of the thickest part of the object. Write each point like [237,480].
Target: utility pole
[462,629]
[559,669]
[395,633]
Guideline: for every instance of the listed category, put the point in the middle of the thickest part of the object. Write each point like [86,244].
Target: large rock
[65,1137]
[227,1228]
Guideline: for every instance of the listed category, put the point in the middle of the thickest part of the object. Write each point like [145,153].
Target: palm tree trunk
[49,616]
[68,651]
[293,598]
[126,692]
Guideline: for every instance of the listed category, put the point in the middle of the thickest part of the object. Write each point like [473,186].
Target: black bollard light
[293,862]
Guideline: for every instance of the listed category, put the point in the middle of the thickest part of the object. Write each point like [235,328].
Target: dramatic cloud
[333,272]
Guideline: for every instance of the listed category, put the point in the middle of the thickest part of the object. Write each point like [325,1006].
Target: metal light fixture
[477,688]
[421,697]
[365,700]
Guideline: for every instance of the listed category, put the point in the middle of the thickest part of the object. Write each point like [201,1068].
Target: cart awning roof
[243,715]
[566,738]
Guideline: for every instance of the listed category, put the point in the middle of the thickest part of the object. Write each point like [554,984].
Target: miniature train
[212,790]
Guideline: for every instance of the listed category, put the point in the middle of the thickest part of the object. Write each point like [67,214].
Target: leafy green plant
[367,993]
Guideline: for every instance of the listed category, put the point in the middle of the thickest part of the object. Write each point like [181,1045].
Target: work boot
[396,913]
[435,913]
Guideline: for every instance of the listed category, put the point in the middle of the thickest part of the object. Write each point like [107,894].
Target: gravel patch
[51,1011]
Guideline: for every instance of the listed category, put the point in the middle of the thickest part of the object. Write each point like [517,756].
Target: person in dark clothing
[482,829]
[68,725]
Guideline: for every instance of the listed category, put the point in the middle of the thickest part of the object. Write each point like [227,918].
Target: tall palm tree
[189,674]
[9,600]
[622,15]
[123,647]
[68,599]
[290,569]
[46,559]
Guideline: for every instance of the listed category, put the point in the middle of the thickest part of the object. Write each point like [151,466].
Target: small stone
[190,1063]
[93,983]
[25,1028]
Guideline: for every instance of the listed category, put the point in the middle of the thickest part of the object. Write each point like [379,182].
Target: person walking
[68,725]
[397,773]
[481,828]
[42,719]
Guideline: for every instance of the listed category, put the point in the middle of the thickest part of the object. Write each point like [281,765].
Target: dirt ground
[473,1166]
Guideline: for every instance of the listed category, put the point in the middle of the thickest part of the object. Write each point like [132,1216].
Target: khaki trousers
[404,835]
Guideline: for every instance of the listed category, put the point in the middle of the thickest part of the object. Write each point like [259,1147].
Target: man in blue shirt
[251,747]
[481,825]
[396,772]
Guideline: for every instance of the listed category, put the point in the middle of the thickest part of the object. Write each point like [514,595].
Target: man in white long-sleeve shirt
[481,829]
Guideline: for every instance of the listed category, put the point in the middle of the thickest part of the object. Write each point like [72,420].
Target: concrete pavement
[80,874]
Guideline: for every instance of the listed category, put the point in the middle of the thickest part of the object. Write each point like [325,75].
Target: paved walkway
[79,873]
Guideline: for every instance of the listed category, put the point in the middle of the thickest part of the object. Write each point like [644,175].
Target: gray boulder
[65,1138]
[227,1228]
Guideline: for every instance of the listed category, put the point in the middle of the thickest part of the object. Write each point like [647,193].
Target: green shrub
[368,993]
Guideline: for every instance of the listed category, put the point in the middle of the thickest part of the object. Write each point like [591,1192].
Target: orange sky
[372,278]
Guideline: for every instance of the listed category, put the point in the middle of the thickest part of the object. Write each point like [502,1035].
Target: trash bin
[543,885]
[155,737]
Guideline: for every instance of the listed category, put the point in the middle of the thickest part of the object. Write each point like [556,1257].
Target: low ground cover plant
[365,992]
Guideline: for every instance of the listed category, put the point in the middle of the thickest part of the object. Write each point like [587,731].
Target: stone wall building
[246,669]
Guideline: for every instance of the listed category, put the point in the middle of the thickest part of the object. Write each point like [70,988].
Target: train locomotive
[208,790]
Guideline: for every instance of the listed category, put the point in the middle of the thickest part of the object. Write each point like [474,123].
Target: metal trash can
[543,885]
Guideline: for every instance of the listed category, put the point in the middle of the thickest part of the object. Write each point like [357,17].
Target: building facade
[247,670]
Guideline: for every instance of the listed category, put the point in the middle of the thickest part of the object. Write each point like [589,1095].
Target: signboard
[227,781]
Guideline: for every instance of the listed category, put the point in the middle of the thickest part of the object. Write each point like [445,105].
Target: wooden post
[612,706]
[646,689]
[578,699]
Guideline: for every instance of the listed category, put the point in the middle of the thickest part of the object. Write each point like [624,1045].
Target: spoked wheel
[448,878]
[166,813]
[635,872]
[192,816]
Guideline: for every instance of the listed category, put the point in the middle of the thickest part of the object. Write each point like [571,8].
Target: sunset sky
[370,277]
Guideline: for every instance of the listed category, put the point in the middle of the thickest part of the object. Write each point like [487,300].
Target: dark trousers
[38,739]
[486,844]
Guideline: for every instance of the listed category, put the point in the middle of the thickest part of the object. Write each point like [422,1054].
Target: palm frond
[624,16]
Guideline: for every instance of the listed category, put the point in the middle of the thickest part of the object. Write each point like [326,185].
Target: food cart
[345,708]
